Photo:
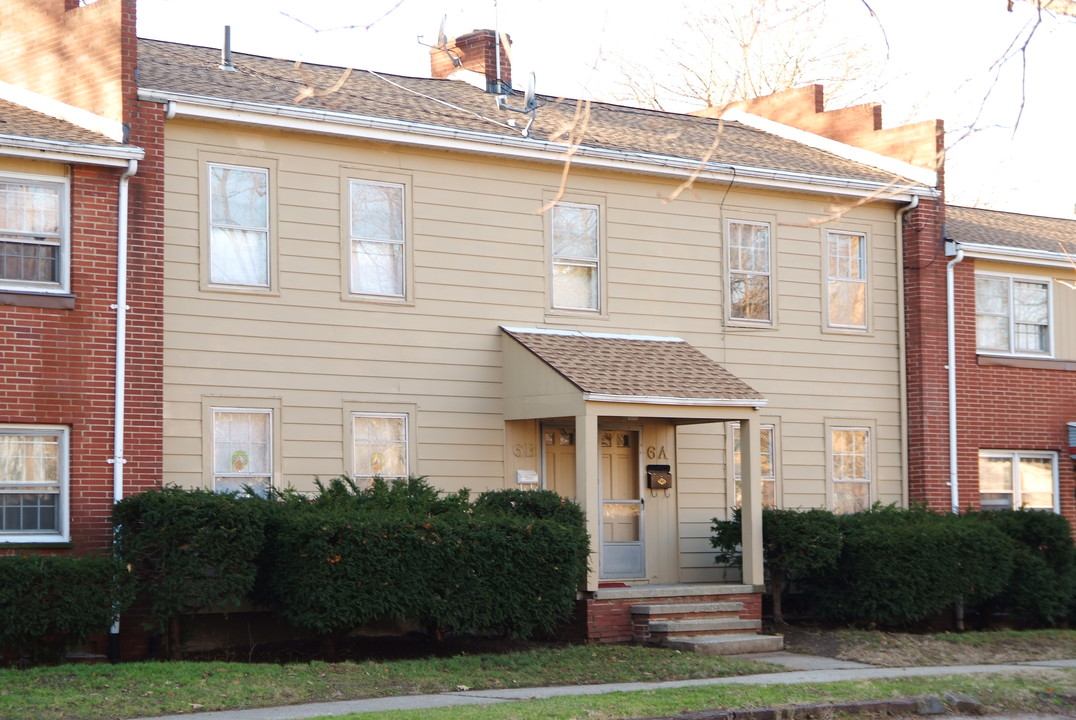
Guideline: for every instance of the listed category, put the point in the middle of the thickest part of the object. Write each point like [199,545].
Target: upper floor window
[238,226]
[769,473]
[1012,315]
[33,483]
[34,245]
[847,279]
[380,446]
[749,271]
[378,251]
[576,257]
[1017,480]
[850,468]
[242,449]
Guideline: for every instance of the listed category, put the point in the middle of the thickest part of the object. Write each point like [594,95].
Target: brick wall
[477,51]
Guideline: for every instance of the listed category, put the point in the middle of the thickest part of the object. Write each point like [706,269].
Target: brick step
[727,644]
[661,629]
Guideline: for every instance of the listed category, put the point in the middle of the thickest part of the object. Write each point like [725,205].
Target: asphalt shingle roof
[186,69]
[627,366]
[1010,230]
[19,121]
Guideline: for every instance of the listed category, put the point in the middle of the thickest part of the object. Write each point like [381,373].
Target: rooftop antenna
[442,44]
[226,50]
[530,105]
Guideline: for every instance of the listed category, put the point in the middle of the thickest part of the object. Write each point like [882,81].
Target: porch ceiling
[548,373]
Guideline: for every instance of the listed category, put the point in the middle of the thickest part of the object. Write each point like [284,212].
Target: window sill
[14,544]
[39,300]
[1025,362]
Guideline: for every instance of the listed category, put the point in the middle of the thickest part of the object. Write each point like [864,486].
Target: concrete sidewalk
[802,669]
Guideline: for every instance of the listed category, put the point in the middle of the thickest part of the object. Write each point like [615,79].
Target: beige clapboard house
[382,275]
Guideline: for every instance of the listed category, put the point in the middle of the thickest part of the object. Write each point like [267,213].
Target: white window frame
[401,245]
[264,229]
[839,279]
[734,270]
[1010,315]
[1015,456]
[559,260]
[734,454]
[61,240]
[368,477]
[62,434]
[868,464]
[238,475]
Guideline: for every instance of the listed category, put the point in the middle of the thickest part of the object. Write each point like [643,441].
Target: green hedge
[190,549]
[48,602]
[350,556]
[1042,586]
[901,567]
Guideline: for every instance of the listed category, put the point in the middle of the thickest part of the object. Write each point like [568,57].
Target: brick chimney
[919,144]
[476,51]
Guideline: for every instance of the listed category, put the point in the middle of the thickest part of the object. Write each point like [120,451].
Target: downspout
[902,356]
[121,309]
[950,295]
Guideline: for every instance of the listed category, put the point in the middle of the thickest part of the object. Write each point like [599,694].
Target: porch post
[751,507]
[586,486]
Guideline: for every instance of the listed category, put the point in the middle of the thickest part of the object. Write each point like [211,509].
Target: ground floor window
[33,483]
[380,446]
[850,468]
[766,437]
[1013,479]
[242,449]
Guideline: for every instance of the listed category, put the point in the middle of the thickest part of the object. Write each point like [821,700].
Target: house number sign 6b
[523,450]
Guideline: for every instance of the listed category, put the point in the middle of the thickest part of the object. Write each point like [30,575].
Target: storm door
[623,554]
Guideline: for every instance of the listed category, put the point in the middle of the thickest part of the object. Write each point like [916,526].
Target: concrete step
[683,609]
[738,644]
[701,626]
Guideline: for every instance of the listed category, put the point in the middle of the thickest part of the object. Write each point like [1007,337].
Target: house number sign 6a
[523,450]
[656,453]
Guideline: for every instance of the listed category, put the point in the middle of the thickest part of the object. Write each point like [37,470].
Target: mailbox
[659,477]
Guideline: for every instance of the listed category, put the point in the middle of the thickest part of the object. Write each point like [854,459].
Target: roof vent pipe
[226,50]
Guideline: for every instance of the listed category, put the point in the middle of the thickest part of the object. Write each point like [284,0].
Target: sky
[1008,148]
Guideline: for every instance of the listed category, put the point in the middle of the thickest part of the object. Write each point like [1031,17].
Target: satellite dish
[529,103]
[442,39]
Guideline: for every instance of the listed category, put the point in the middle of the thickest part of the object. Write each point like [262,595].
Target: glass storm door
[623,554]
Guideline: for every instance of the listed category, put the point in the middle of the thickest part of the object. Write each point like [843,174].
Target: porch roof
[612,368]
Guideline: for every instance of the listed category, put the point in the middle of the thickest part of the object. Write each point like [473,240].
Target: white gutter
[950,311]
[443,138]
[693,402]
[68,152]
[902,353]
[1027,256]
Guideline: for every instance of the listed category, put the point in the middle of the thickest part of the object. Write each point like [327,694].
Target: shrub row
[511,561]
[898,568]
[48,603]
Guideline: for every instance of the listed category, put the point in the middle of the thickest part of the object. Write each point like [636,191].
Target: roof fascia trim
[68,152]
[1027,256]
[693,402]
[848,152]
[581,333]
[404,132]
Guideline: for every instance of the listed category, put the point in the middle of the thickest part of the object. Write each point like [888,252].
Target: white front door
[623,553]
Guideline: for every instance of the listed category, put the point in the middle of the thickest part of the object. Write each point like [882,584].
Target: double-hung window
[847,279]
[238,226]
[749,271]
[380,446]
[850,468]
[34,241]
[576,281]
[33,483]
[242,449]
[1018,480]
[378,250]
[769,474]
[1012,315]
